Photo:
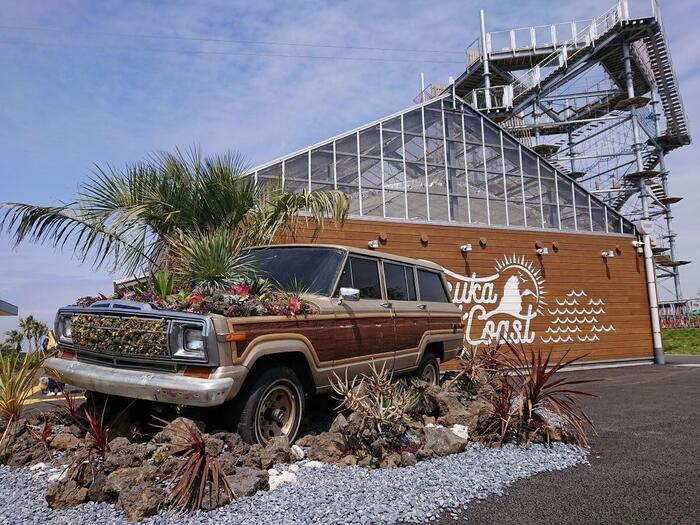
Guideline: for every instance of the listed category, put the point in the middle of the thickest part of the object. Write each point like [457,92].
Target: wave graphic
[574,293]
[587,338]
[574,320]
[602,328]
[562,330]
[557,339]
[576,311]
[596,302]
[566,302]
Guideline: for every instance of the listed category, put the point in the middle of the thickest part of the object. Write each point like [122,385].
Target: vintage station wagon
[370,307]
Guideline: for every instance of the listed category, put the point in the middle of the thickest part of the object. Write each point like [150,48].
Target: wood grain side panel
[332,339]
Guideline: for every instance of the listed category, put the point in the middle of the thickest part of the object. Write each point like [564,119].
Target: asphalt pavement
[645,461]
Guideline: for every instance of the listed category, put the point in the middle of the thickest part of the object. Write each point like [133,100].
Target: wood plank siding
[570,299]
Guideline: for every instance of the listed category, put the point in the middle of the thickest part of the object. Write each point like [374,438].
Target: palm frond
[66,227]
[209,260]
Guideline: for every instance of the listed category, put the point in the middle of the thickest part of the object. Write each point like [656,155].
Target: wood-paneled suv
[371,307]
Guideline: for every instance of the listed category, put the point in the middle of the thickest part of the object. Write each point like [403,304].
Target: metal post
[572,156]
[637,147]
[485,58]
[422,87]
[644,228]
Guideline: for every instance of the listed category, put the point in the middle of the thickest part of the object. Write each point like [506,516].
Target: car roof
[365,253]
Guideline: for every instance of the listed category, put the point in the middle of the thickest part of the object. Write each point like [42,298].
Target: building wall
[571,299]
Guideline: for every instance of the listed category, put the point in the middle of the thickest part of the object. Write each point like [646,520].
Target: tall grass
[18,374]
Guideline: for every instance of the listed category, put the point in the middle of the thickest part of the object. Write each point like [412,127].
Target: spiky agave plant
[380,400]
[163,283]
[199,475]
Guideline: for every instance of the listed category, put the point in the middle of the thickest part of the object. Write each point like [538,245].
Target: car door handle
[385,305]
[422,306]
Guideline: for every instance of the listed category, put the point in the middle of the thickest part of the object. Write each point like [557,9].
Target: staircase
[667,83]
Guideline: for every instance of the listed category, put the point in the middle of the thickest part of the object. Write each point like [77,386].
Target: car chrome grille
[121,336]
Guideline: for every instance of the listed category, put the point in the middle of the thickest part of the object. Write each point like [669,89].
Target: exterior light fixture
[465,248]
[607,254]
[373,244]
[542,251]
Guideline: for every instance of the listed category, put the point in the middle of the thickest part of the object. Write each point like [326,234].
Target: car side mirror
[349,294]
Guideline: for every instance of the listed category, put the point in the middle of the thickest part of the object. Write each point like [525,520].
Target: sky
[96,83]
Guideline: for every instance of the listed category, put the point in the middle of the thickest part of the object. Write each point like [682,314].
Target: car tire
[428,369]
[271,406]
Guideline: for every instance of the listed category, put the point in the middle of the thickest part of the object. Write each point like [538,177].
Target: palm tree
[26,328]
[166,209]
[14,339]
[33,331]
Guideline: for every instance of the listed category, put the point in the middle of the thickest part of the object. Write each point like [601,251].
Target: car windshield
[309,269]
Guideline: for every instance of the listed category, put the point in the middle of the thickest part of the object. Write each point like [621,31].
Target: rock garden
[503,415]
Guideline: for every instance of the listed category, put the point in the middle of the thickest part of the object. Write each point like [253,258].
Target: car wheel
[428,369]
[272,406]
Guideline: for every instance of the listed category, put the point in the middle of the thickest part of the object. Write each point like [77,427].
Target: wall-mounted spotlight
[639,245]
[542,251]
[608,254]
[465,248]
[373,244]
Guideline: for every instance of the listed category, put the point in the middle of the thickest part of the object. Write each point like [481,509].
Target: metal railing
[581,35]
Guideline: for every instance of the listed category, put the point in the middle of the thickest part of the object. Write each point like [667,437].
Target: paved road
[645,462]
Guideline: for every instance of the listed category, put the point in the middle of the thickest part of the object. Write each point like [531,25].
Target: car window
[345,280]
[399,282]
[309,268]
[431,288]
[365,277]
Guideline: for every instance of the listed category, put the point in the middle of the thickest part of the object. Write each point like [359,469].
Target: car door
[366,327]
[432,292]
[411,321]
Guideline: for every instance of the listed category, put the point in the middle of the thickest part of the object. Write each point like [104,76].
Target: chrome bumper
[151,386]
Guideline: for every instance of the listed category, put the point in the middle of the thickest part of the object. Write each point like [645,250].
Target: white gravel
[324,494]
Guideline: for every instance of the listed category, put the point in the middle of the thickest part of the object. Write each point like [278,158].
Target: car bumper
[151,386]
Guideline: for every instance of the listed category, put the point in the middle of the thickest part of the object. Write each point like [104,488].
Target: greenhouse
[443,162]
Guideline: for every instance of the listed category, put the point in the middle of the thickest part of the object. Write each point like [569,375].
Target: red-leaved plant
[43,435]
[540,391]
[199,475]
[70,407]
[96,430]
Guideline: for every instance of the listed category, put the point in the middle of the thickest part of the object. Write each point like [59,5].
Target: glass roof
[441,161]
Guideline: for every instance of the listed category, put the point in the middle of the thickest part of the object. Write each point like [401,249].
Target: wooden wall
[571,298]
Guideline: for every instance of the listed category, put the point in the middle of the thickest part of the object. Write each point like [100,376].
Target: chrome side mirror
[349,294]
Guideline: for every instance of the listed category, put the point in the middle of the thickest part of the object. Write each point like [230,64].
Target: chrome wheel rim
[277,413]
[429,374]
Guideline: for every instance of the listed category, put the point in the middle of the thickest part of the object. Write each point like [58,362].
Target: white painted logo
[576,318]
[502,305]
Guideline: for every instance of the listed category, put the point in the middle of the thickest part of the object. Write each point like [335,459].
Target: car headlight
[193,340]
[188,341]
[65,329]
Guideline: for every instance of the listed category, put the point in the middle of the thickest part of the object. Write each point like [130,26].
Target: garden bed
[500,418]
[324,494]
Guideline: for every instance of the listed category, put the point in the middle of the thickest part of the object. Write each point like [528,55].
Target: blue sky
[81,85]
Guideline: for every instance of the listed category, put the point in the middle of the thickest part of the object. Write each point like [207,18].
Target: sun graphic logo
[524,286]
[501,305]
